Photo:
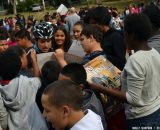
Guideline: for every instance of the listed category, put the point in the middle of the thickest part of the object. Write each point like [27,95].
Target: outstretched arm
[59,54]
[36,69]
[110,91]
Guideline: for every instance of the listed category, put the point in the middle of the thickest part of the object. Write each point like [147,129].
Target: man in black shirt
[112,43]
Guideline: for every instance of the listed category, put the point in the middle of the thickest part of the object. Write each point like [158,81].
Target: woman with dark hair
[76,47]
[140,76]
[61,39]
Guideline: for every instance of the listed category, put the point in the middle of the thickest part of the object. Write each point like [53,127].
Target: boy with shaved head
[62,102]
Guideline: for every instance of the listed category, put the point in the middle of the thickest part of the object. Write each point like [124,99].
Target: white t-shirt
[141,82]
[91,121]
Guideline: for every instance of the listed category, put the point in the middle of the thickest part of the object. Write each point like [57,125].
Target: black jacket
[114,48]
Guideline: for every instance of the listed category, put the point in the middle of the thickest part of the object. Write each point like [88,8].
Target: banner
[62,10]
[44,57]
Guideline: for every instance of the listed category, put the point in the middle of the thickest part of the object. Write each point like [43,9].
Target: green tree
[26,5]
[14,2]
[58,2]
[43,3]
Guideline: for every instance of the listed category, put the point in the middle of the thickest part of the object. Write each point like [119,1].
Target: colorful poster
[102,71]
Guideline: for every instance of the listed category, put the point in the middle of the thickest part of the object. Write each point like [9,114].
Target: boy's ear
[25,38]
[81,86]
[91,38]
[66,111]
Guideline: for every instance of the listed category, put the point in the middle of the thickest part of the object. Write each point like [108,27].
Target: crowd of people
[58,95]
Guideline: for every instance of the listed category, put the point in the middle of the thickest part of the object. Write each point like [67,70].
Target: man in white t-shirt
[62,102]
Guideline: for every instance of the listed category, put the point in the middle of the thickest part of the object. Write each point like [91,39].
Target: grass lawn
[120,4]
[123,3]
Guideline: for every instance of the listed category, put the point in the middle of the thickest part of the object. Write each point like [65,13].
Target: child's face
[54,21]
[59,37]
[21,42]
[77,29]
[3,45]
[44,44]
[86,43]
[56,116]
[17,28]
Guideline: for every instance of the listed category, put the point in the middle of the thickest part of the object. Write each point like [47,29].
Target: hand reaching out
[59,54]
[33,55]
[35,66]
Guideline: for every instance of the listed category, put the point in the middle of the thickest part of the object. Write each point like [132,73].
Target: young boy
[3,45]
[76,73]
[49,73]
[62,102]
[18,93]
[23,40]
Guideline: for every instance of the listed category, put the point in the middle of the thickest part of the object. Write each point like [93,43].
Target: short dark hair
[139,25]
[153,12]
[94,30]
[100,15]
[17,49]
[114,13]
[76,72]
[79,23]
[65,92]
[50,71]
[23,33]
[3,34]
[10,64]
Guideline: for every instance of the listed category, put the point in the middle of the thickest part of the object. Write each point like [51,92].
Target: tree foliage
[58,2]
[26,5]
[21,6]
